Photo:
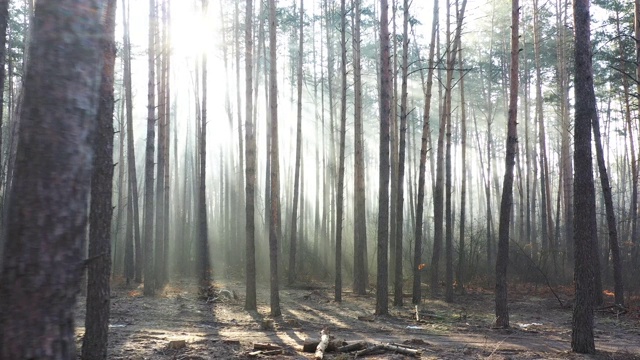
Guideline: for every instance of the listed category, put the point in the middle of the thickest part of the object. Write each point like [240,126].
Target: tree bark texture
[426,134]
[94,343]
[149,276]
[250,172]
[506,204]
[382,291]
[585,224]
[360,274]
[274,228]
[47,214]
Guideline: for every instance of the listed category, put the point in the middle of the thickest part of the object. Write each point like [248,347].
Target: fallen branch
[324,341]
[352,347]
[370,350]
[263,346]
[402,349]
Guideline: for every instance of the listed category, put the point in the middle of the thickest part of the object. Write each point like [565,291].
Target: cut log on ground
[262,346]
[352,347]
[402,349]
[322,346]
[370,350]
[311,344]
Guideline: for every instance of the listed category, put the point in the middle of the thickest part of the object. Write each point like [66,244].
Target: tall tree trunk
[250,150]
[4,19]
[47,213]
[636,28]
[611,225]
[160,165]
[149,276]
[460,274]
[585,228]
[204,266]
[506,204]
[426,134]
[382,291]
[131,155]
[360,275]
[94,343]
[274,228]
[296,185]
[566,162]
[343,131]
[397,294]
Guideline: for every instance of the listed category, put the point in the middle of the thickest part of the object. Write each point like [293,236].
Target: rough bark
[149,276]
[94,342]
[426,134]
[397,287]
[133,220]
[506,204]
[382,291]
[47,211]
[296,181]
[360,276]
[250,172]
[203,261]
[274,228]
[341,159]
[584,191]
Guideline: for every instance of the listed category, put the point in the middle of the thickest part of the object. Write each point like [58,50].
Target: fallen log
[370,350]
[402,349]
[311,344]
[352,347]
[322,346]
[263,346]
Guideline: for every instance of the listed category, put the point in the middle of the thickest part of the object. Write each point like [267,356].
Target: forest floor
[178,324]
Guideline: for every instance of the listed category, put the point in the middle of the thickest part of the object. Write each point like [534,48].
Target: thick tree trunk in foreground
[47,213]
[506,204]
[382,290]
[583,188]
[94,343]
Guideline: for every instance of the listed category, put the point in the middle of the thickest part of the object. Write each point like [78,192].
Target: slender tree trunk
[131,156]
[4,19]
[47,212]
[426,134]
[160,169]
[382,291]
[460,274]
[149,276]
[506,205]
[585,228]
[204,266]
[611,225]
[398,296]
[250,149]
[274,228]
[343,131]
[296,185]
[360,275]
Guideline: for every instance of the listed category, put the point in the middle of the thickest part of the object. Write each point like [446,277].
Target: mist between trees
[358,141]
